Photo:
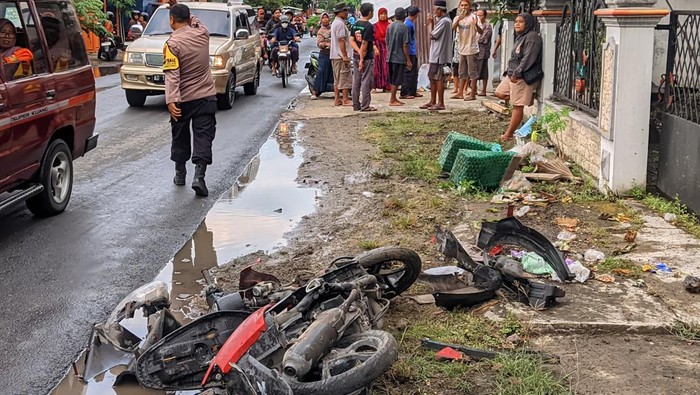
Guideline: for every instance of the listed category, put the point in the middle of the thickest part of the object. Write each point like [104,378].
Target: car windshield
[216,21]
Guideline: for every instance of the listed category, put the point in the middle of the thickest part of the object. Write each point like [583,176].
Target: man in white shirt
[467,26]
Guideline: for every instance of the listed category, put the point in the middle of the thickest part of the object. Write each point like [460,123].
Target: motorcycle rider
[274,22]
[284,33]
[136,18]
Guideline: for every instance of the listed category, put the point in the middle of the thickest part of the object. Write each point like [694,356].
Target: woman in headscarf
[381,67]
[524,71]
[16,61]
[324,74]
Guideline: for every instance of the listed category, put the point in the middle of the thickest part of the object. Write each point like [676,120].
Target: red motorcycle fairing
[238,343]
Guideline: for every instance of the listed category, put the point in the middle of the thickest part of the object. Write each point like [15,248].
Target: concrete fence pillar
[625,91]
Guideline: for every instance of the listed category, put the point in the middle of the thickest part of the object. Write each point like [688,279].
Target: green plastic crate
[457,141]
[485,168]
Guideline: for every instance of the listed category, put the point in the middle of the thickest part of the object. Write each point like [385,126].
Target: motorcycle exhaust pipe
[316,340]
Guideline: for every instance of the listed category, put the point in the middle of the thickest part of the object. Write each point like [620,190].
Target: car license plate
[159,78]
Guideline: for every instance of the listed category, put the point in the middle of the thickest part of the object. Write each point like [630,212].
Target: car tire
[251,88]
[56,176]
[224,101]
[135,98]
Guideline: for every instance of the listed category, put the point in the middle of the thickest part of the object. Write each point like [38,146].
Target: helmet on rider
[284,21]
[145,16]
[110,15]
[135,14]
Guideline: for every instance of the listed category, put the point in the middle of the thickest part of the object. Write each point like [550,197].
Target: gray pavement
[125,221]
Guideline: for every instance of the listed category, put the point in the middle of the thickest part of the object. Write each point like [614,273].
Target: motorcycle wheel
[396,268]
[283,72]
[352,364]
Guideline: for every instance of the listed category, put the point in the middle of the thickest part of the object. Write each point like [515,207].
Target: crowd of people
[358,57]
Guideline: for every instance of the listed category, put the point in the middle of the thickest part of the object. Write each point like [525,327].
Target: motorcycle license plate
[159,78]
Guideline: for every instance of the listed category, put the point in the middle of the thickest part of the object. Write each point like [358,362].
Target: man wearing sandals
[440,26]
[467,26]
[362,41]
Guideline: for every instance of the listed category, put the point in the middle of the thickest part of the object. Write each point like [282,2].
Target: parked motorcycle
[108,48]
[323,337]
[312,67]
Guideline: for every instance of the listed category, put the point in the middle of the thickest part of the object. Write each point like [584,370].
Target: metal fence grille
[578,62]
[683,66]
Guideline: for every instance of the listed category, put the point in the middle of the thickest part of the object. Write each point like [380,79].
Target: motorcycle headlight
[216,62]
[133,58]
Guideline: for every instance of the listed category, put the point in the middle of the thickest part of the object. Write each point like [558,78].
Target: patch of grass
[394,203]
[466,189]
[620,266]
[521,374]
[686,331]
[368,244]
[417,165]
[685,219]
[404,222]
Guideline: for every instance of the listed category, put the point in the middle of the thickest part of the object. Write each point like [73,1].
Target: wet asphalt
[125,221]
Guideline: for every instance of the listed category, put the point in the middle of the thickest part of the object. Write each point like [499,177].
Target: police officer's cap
[180,12]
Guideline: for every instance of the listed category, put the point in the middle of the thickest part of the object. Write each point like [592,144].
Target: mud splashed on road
[264,203]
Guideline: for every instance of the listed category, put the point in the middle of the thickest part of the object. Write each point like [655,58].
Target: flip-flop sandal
[436,108]
[369,109]
[456,97]
[418,95]
[470,98]
[426,106]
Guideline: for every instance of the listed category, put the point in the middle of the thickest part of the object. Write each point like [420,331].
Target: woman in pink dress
[381,67]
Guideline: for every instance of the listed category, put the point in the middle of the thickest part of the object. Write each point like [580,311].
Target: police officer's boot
[198,184]
[180,173]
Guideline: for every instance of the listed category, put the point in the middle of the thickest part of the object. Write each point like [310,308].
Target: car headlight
[133,58]
[216,62]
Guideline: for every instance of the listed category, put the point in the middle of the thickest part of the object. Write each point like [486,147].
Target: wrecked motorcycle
[322,337]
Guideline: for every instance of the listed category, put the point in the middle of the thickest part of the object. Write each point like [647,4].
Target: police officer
[190,94]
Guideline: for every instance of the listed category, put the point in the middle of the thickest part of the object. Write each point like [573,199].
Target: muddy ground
[381,185]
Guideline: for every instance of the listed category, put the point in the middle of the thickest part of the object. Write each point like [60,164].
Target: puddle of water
[244,220]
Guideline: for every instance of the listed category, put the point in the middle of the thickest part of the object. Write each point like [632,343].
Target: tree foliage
[92,16]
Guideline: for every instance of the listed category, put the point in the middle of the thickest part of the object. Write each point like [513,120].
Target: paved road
[125,221]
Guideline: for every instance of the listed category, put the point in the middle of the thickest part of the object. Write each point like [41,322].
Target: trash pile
[467,158]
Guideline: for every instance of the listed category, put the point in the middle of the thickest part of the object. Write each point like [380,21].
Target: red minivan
[47,103]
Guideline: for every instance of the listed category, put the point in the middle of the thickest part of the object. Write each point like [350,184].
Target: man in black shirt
[362,41]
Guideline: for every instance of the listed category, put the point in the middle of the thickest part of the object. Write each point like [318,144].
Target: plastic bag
[535,264]
[582,273]
[518,183]
[423,80]
[592,255]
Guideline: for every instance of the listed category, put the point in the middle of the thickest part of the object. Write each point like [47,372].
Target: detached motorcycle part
[353,363]
[537,295]
[463,297]
[396,268]
[512,231]
[484,277]
[179,360]
[477,354]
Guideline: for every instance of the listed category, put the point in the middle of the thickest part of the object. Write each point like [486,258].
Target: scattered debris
[592,255]
[624,250]
[543,177]
[449,354]
[515,340]
[517,182]
[670,217]
[582,273]
[605,278]
[279,210]
[569,224]
[368,194]
[663,268]
[565,235]
[423,299]
[692,284]
[522,211]
[496,107]
[535,264]
[640,283]
[631,236]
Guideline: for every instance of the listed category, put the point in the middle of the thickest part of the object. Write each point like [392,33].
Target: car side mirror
[242,34]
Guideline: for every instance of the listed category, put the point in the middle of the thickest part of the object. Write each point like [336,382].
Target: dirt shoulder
[381,185]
